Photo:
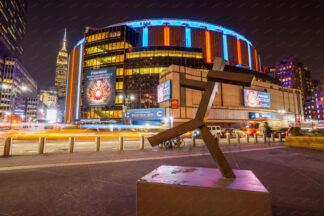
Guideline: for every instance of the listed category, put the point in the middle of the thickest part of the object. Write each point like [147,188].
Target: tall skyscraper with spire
[60,77]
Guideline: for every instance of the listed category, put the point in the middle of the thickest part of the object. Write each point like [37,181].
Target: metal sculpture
[209,89]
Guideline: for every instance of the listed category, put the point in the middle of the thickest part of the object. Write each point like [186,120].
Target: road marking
[126,160]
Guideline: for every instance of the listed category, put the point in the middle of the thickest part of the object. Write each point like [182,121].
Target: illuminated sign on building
[258,99]
[164,91]
[100,87]
[51,115]
[153,114]
[254,115]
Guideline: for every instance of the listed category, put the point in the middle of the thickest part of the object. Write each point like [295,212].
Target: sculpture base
[186,191]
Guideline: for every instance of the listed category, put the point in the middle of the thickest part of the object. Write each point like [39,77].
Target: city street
[91,183]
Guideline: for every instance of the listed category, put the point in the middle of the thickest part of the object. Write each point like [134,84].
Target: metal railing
[121,141]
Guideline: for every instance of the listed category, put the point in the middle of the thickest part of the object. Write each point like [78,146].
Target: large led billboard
[257,99]
[100,87]
[164,91]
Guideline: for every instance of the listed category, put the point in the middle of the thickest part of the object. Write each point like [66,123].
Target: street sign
[152,114]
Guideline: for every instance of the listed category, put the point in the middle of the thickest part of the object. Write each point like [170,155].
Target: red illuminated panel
[239,53]
[166,36]
[256,60]
[71,85]
[174,104]
[208,46]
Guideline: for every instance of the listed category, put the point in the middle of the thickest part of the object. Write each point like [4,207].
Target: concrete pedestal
[186,191]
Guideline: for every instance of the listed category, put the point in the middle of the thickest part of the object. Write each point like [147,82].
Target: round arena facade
[134,53]
[214,40]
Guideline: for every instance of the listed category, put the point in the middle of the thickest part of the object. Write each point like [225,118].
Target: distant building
[60,77]
[41,111]
[12,32]
[48,97]
[294,74]
[17,86]
[31,109]
[269,70]
[319,105]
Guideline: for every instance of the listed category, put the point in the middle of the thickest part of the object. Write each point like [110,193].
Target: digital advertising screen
[164,91]
[257,99]
[100,87]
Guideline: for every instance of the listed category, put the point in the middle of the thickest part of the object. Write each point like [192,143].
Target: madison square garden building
[120,65]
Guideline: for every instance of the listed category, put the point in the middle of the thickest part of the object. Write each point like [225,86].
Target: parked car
[213,129]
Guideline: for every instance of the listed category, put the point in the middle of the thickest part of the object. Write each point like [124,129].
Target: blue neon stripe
[249,51]
[80,42]
[259,64]
[67,84]
[225,51]
[188,37]
[180,22]
[145,36]
[79,84]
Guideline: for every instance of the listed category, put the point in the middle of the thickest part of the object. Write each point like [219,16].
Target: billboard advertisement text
[164,91]
[100,87]
[257,99]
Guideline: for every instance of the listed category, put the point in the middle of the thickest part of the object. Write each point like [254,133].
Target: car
[213,129]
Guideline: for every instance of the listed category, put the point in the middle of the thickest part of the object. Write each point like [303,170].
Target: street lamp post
[127,101]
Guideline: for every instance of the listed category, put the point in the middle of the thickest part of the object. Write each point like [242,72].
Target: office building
[12,31]
[294,74]
[17,86]
[60,77]
[48,97]
[319,105]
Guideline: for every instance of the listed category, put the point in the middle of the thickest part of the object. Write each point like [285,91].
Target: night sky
[276,28]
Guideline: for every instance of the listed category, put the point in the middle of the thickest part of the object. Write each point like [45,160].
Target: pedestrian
[267,131]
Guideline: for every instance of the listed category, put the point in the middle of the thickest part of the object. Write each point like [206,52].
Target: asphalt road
[89,183]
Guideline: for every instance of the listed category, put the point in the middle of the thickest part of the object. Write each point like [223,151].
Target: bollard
[41,148]
[193,141]
[142,141]
[218,138]
[247,138]
[98,141]
[272,138]
[71,140]
[280,138]
[121,143]
[264,138]
[238,138]
[255,138]
[7,146]
[228,138]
